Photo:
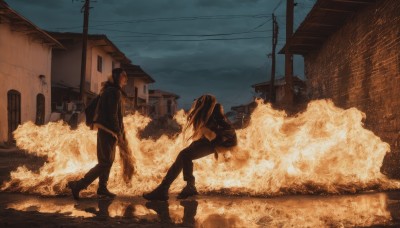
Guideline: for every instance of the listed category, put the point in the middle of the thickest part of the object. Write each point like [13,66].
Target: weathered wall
[66,66]
[22,60]
[359,66]
[142,92]
[98,77]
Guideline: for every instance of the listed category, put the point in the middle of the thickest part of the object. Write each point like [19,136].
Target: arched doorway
[40,109]
[13,112]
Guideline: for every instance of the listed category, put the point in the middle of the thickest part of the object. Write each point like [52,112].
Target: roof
[278,82]
[17,21]
[241,108]
[324,19]
[136,71]
[100,40]
[163,93]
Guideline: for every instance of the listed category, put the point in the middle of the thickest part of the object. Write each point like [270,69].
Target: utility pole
[288,55]
[85,8]
[275,29]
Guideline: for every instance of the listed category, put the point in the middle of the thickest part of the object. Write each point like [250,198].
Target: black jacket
[110,110]
[225,133]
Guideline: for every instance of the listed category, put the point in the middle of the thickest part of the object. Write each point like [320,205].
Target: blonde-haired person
[209,122]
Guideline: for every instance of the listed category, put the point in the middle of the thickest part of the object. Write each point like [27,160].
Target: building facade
[299,86]
[25,72]
[102,56]
[163,104]
[137,89]
[351,54]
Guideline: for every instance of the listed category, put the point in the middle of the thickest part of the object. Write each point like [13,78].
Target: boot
[75,188]
[103,191]
[162,210]
[160,193]
[189,190]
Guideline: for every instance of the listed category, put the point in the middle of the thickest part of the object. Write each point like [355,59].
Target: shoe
[75,189]
[103,191]
[162,210]
[160,193]
[189,190]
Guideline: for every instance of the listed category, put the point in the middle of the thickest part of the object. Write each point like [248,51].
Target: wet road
[362,210]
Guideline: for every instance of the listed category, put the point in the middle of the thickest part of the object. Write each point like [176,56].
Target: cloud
[225,3]
[225,68]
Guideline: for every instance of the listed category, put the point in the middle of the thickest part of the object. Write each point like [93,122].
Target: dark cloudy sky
[189,47]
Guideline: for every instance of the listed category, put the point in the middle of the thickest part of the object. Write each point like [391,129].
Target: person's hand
[121,137]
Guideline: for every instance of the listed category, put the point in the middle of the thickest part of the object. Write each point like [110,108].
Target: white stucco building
[25,72]
[137,88]
[102,57]
[163,104]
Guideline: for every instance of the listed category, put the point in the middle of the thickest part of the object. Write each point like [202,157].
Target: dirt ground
[373,209]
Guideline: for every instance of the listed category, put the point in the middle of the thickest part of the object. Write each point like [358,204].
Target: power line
[173,20]
[190,18]
[253,30]
[277,6]
[178,35]
[195,40]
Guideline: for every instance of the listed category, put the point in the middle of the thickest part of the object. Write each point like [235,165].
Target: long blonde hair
[200,113]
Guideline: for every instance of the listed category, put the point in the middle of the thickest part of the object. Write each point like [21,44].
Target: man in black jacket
[108,120]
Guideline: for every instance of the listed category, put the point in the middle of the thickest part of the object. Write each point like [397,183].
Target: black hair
[116,74]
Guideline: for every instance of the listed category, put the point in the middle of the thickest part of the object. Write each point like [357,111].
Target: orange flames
[295,211]
[322,150]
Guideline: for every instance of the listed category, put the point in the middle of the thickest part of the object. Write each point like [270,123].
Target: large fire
[325,149]
[293,211]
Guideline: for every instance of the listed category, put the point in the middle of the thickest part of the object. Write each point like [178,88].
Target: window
[169,107]
[14,112]
[99,63]
[144,89]
[112,65]
[40,109]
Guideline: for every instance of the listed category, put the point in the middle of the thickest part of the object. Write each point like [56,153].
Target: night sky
[189,47]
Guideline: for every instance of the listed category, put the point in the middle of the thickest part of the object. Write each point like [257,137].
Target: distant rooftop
[163,93]
[18,21]
[136,71]
[99,39]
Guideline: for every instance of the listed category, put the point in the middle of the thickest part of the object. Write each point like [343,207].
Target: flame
[295,211]
[325,149]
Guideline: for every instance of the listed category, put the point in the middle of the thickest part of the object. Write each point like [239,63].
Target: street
[358,210]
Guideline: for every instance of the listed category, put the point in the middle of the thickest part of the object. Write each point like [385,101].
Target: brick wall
[359,66]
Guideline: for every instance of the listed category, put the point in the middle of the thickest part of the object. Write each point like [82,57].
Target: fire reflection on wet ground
[370,209]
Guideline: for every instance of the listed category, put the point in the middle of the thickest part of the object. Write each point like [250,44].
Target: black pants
[196,150]
[106,144]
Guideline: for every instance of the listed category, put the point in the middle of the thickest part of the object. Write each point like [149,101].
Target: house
[102,57]
[137,89]
[351,55]
[241,114]
[264,88]
[25,72]
[163,104]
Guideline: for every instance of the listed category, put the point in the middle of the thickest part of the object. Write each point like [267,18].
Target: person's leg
[200,148]
[161,192]
[103,158]
[106,154]
[197,149]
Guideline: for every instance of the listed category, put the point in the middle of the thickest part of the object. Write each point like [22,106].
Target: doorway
[13,112]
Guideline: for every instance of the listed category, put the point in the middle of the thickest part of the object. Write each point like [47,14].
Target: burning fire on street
[323,150]
[292,211]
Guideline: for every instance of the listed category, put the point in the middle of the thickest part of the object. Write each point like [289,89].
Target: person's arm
[225,133]
[112,106]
